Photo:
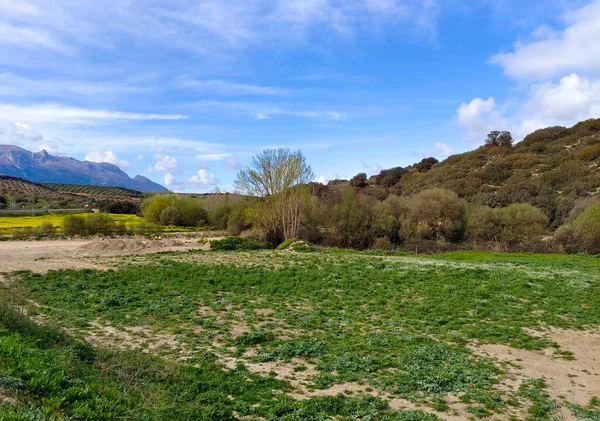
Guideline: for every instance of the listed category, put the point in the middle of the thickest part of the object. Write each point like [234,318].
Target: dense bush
[436,214]
[219,216]
[174,210]
[99,223]
[91,224]
[521,221]
[483,224]
[387,178]
[170,216]
[295,245]
[236,244]
[586,227]
[73,225]
[589,153]
[126,207]
[349,222]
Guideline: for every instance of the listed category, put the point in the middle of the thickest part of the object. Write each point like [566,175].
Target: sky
[187,92]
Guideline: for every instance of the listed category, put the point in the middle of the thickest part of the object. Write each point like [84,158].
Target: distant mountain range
[41,167]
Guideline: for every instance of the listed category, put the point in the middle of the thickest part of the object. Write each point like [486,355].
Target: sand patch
[574,381]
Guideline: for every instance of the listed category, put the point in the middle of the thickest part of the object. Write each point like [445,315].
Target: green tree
[499,138]
[155,207]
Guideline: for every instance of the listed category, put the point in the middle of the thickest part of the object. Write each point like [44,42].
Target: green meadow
[271,335]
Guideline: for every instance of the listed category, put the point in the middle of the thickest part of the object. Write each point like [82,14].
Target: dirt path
[44,255]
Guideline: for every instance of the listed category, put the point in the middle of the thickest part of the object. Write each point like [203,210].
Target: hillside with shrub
[22,193]
[552,169]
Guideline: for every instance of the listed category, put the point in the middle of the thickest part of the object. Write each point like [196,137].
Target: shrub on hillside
[568,239]
[589,153]
[387,178]
[359,181]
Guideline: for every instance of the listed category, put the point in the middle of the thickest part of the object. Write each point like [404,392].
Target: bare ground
[45,255]
[575,381]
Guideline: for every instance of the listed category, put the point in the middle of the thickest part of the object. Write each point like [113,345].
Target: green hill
[552,169]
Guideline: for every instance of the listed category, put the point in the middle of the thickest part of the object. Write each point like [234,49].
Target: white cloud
[374,169]
[213,156]
[564,103]
[54,113]
[14,85]
[443,150]
[321,180]
[17,8]
[571,54]
[214,27]
[165,163]
[267,111]
[23,37]
[169,179]
[573,98]
[203,179]
[233,162]
[222,87]
[107,156]
[550,53]
[479,117]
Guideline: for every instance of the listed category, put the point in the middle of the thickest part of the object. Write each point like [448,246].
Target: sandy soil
[574,381]
[44,255]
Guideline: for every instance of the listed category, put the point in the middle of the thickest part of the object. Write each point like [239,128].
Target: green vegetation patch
[399,325]
[236,244]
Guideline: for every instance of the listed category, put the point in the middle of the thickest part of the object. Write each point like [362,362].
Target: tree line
[279,202]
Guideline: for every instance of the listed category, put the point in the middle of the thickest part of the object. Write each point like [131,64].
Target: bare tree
[280,177]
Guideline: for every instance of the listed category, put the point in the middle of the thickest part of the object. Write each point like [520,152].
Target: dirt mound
[113,247]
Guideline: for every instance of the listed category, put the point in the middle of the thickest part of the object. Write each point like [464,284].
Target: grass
[399,325]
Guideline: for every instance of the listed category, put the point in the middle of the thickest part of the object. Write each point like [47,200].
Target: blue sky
[186,92]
